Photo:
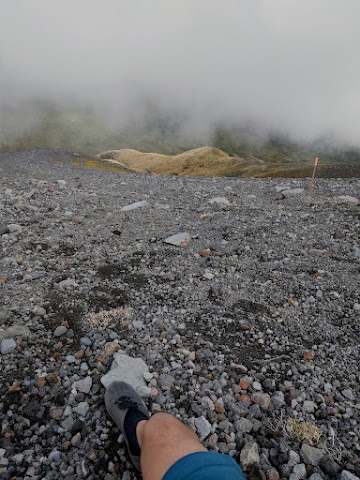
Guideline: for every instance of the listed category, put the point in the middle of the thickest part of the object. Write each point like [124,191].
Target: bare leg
[163,441]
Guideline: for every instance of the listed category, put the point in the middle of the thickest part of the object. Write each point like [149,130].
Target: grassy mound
[211,161]
[202,161]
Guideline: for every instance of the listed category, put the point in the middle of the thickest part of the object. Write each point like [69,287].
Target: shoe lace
[126,402]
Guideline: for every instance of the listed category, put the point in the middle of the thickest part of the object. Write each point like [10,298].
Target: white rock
[38,310]
[347,199]
[243,425]
[300,471]
[8,345]
[221,201]
[179,239]
[208,275]
[82,409]
[249,455]
[69,282]
[348,393]
[294,192]
[294,458]
[309,406]
[136,205]
[14,227]
[138,324]
[4,462]
[130,370]
[346,475]
[315,476]
[15,331]
[18,458]
[280,188]
[203,427]
[84,385]
[148,376]
[60,331]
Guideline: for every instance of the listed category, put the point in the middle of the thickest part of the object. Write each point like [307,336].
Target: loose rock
[8,345]
[311,455]
[203,427]
[249,456]
[129,370]
[179,239]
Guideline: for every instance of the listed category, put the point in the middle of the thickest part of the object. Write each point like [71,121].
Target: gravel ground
[249,327]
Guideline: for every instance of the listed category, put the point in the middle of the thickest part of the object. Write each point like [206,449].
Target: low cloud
[287,65]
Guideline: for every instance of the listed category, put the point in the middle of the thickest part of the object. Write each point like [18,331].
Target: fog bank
[288,65]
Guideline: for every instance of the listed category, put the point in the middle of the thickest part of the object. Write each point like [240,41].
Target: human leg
[163,441]
[161,446]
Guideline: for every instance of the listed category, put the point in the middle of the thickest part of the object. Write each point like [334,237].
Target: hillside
[202,161]
[248,323]
[210,161]
[232,151]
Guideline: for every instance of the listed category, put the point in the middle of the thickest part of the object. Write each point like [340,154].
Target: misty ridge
[266,83]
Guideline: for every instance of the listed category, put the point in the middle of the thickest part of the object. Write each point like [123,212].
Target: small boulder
[60,331]
[329,466]
[82,409]
[272,474]
[14,228]
[135,206]
[249,456]
[179,239]
[129,370]
[348,200]
[15,331]
[346,475]
[348,393]
[300,471]
[263,400]
[203,427]
[243,425]
[309,406]
[221,201]
[311,455]
[7,345]
[84,385]
[293,192]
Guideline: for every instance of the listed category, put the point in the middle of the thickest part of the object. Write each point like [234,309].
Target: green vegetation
[99,165]
[279,149]
[80,130]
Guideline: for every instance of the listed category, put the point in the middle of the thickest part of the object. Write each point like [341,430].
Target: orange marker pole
[316,162]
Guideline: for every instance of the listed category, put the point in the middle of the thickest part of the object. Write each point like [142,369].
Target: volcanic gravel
[249,322]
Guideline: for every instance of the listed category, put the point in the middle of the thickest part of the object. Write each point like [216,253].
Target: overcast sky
[288,64]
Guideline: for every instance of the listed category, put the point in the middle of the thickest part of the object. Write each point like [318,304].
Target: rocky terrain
[248,322]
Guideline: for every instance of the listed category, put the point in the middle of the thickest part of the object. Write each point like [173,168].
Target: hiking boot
[126,407]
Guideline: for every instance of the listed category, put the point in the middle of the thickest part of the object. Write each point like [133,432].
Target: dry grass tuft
[298,430]
[117,318]
[301,430]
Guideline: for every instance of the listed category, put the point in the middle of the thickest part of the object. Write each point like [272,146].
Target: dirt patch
[124,272]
